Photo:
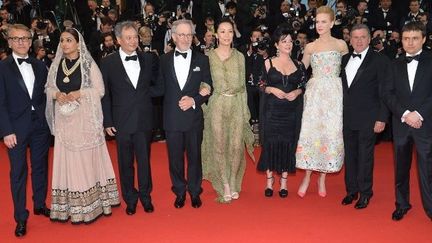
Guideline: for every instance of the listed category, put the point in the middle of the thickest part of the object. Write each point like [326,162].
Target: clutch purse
[69,108]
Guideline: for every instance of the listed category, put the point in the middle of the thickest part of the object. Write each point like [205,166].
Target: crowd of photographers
[254,21]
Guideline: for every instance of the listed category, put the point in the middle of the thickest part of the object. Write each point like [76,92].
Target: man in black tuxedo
[409,97]
[182,71]
[128,113]
[23,124]
[364,115]
[384,17]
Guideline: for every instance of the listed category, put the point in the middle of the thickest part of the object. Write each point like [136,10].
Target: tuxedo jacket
[363,102]
[399,97]
[174,118]
[15,101]
[125,107]
[377,20]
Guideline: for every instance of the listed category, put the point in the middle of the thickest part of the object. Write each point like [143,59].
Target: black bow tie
[409,59]
[133,58]
[21,60]
[183,54]
[356,55]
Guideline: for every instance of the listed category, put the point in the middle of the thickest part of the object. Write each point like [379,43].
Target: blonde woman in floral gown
[226,118]
[320,146]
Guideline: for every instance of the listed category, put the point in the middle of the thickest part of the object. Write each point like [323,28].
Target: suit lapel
[172,69]
[345,60]
[142,64]
[37,74]
[420,71]
[119,63]
[403,72]
[362,67]
[191,67]
[18,76]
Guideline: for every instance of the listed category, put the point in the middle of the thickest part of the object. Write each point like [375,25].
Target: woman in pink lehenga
[83,182]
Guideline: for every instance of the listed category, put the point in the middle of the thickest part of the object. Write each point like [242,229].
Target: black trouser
[131,147]
[403,147]
[359,161]
[253,97]
[177,143]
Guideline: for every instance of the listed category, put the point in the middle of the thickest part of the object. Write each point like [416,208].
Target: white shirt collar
[418,53]
[15,57]
[363,53]
[189,51]
[123,54]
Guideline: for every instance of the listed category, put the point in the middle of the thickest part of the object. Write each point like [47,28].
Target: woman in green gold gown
[226,118]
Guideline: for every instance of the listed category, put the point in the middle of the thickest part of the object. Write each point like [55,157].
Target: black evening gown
[280,120]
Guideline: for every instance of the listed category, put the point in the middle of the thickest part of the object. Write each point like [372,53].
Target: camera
[262,44]
[151,21]
[377,40]
[42,24]
[292,19]
[263,28]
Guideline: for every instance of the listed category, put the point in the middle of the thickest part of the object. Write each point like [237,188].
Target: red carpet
[253,218]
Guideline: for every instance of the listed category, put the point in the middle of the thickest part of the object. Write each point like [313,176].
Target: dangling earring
[277,52]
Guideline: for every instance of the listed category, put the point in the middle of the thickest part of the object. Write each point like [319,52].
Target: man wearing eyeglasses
[182,71]
[23,124]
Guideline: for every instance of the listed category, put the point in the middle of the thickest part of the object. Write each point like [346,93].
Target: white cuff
[404,114]
[421,118]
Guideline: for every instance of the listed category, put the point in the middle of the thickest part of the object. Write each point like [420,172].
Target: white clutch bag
[69,108]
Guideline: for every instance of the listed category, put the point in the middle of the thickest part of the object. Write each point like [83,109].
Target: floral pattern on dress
[320,146]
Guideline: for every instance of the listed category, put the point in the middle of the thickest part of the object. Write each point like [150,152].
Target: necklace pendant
[66,80]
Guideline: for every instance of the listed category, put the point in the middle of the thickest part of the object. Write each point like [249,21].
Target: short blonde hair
[143,30]
[326,10]
[18,27]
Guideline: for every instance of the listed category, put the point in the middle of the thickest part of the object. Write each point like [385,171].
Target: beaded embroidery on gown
[320,146]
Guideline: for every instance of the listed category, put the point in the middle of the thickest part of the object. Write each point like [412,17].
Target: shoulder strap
[271,63]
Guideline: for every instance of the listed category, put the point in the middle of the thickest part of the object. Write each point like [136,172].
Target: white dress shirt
[27,74]
[412,69]
[132,68]
[182,66]
[353,65]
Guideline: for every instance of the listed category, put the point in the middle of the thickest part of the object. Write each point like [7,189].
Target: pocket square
[196,69]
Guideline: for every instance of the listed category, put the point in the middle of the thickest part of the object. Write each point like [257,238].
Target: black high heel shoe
[269,191]
[283,192]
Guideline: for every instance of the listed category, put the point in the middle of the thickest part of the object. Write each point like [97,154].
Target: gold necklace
[67,71]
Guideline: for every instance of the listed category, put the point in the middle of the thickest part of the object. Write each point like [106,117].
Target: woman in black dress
[281,107]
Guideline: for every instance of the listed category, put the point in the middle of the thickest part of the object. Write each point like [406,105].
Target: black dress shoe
[348,199]
[196,202]
[42,211]
[148,207]
[131,209]
[363,202]
[399,213]
[179,201]
[21,229]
